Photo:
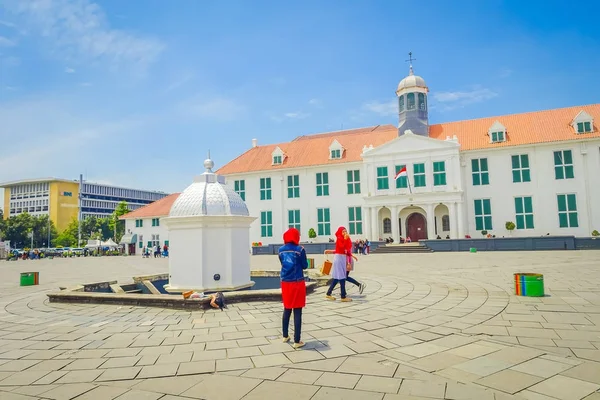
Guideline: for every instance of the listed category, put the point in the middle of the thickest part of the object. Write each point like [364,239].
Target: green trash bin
[29,278]
[528,284]
[473,250]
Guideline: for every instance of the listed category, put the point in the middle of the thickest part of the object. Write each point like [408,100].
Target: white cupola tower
[412,104]
[209,232]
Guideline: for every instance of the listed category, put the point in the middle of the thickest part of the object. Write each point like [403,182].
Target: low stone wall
[587,243]
[97,287]
[166,300]
[510,244]
[310,248]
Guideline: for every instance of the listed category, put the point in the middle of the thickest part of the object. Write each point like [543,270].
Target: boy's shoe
[362,287]
[346,300]
[331,298]
[299,344]
[286,339]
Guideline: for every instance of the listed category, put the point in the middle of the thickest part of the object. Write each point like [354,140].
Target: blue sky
[135,92]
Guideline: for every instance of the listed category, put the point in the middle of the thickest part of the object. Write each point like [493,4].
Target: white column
[430,221]
[374,225]
[366,212]
[395,234]
[454,222]
[461,219]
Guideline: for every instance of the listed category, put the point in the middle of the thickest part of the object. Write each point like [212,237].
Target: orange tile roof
[311,150]
[521,129]
[159,208]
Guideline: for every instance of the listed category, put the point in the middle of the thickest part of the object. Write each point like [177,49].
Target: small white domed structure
[208,195]
[209,236]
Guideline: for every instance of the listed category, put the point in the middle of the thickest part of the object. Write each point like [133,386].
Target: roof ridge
[164,199]
[342,132]
[519,113]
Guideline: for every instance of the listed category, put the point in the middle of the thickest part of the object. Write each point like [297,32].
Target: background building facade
[143,227]
[59,198]
[538,170]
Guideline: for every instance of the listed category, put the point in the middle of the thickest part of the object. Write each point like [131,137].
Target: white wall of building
[338,200]
[456,198]
[543,187]
[146,232]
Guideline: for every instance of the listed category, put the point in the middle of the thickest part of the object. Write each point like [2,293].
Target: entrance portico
[417,221]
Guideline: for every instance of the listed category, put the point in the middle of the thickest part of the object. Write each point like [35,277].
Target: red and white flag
[401,173]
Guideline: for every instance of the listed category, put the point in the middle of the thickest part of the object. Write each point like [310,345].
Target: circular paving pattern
[419,328]
[95,339]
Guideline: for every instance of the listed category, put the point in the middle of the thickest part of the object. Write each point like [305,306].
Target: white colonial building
[143,227]
[539,170]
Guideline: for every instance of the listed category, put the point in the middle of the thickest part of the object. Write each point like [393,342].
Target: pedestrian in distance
[293,286]
[350,263]
[342,254]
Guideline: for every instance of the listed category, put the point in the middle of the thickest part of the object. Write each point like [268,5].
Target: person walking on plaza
[350,264]
[340,263]
[293,286]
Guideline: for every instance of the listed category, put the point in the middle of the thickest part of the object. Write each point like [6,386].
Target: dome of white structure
[208,196]
[411,81]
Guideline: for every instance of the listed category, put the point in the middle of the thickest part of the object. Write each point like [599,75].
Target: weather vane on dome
[410,60]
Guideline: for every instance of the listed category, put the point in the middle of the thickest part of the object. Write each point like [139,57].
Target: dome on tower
[411,81]
[208,196]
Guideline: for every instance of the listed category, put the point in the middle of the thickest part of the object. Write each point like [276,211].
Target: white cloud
[79,29]
[7,24]
[219,108]
[382,108]
[458,99]
[179,82]
[59,139]
[69,70]
[296,115]
[287,116]
[6,42]
[315,103]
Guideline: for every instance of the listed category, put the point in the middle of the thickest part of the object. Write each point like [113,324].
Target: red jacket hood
[292,235]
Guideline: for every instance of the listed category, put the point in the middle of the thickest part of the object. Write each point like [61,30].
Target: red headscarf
[340,244]
[291,236]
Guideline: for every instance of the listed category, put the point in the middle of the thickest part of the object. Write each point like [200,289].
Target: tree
[65,239]
[17,229]
[121,210]
[40,226]
[510,226]
[2,224]
[311,233]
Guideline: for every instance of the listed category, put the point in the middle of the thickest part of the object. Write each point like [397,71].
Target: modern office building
[60,198]
[538,170]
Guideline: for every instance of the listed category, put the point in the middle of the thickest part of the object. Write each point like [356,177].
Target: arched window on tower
[422,105]
[401,103]
[387,226]
[446,223]
[410,101]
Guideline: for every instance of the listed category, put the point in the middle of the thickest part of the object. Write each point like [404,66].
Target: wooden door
[416,227]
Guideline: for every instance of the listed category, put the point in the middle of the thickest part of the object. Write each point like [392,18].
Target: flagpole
[408,181]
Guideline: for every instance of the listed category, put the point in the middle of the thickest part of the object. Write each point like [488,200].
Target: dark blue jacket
[293,261]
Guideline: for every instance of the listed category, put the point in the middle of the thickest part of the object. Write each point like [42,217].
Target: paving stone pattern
[428,326]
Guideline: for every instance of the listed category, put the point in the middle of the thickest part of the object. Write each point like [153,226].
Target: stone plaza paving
[428,326]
